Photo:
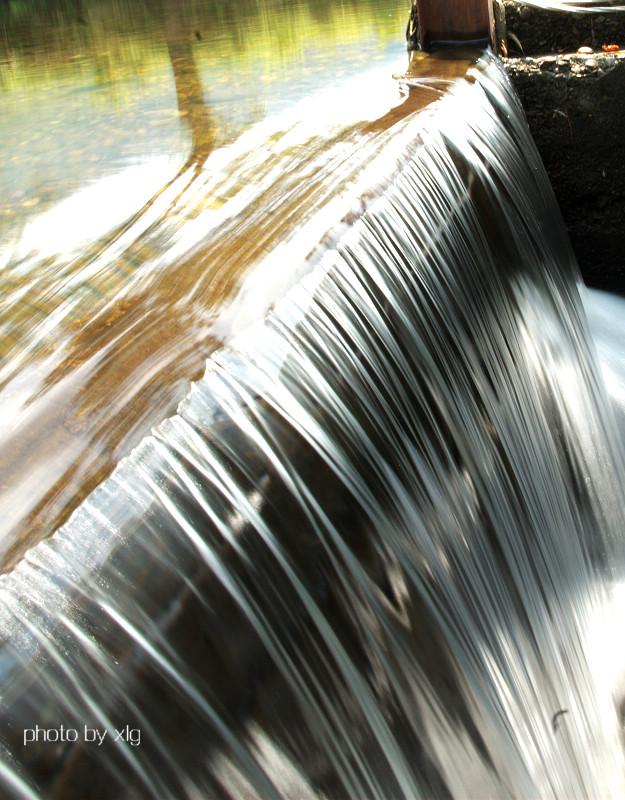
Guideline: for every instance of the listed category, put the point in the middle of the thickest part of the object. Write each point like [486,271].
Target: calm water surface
[153,154]
[90,90]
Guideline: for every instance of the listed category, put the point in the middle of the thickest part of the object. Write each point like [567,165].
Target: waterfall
[373,554]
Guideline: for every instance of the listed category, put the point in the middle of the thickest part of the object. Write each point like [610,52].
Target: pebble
[586,51]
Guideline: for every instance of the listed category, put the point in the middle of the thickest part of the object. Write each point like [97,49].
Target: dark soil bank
[575,107]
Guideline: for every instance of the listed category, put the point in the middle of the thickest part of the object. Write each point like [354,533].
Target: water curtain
[371,554]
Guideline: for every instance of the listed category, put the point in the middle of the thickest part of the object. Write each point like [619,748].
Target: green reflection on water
[88,88]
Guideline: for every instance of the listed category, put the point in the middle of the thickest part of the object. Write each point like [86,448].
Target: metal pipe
[435,23]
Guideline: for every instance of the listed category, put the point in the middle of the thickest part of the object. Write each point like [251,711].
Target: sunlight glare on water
[98,207]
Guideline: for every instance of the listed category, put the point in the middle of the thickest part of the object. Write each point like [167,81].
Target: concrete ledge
[535,31]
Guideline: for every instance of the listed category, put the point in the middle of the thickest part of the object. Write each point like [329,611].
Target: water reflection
[189,91]
[88,87]
[155,155]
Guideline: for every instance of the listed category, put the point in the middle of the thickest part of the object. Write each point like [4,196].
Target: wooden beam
[439,22]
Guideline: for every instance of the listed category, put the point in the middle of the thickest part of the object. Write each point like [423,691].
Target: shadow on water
[149,117]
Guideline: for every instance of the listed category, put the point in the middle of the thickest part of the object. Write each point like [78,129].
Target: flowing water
[122,123]
[377,550]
